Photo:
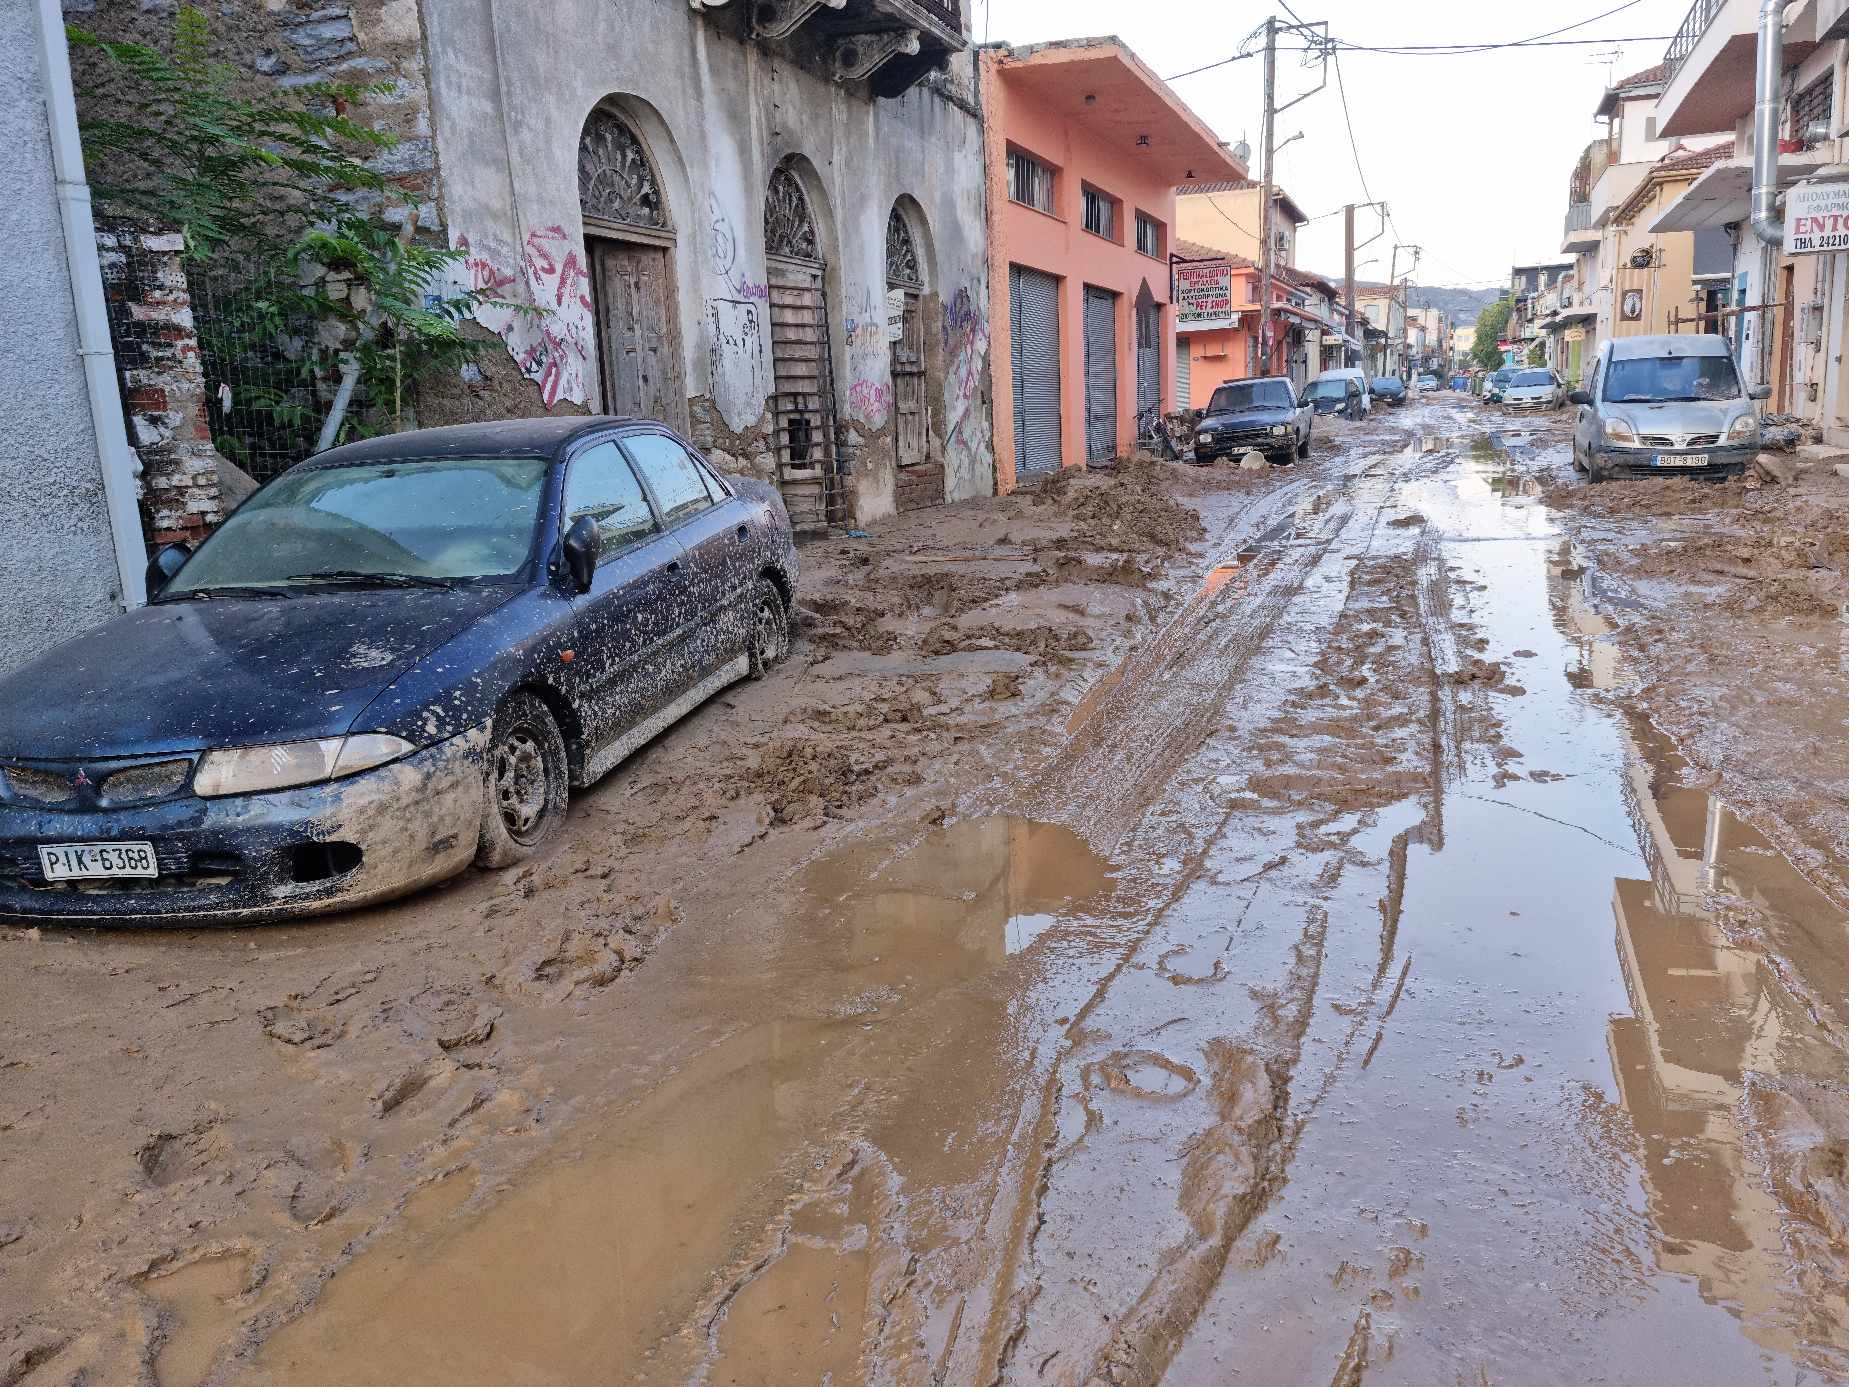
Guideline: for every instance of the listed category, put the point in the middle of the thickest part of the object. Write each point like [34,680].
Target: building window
[1649,127]
[1099,214]
[1148,235]
[1030,181]
[1812,106]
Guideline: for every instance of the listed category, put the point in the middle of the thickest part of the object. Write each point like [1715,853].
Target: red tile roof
[1194,250]
[1648,77]
[1680,158]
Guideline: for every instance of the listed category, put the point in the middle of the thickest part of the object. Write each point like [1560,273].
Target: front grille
[38,787]
[1678,440]
[140,784]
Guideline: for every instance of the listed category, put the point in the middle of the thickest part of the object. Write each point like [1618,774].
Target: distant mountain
[1460,305]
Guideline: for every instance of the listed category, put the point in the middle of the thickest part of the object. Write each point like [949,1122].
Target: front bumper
[1539,404]
[1233,445]
[1610,462]
[245,858]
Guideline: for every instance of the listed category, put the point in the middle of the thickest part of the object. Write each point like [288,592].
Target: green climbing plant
[1492,323]
[347,308]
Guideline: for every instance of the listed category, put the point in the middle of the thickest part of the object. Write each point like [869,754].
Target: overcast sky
[1471,152]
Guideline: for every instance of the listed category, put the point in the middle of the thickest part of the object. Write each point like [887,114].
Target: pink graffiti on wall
[548,335]
[870,399]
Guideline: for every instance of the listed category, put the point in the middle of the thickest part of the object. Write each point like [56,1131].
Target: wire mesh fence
[269,376]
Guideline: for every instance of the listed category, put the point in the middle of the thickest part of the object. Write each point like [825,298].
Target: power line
[1341,88]
[1510,43]
[1465,50]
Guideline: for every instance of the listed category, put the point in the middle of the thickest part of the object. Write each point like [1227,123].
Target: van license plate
[1681,459]
[82,861]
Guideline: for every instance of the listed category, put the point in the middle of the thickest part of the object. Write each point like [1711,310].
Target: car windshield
[1656,379]
[1325,390]
[1531,378]
[1250,394]
[1502,377]
[414,522]
[1388,383]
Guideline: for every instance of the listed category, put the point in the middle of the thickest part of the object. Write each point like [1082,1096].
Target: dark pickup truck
[1262,414]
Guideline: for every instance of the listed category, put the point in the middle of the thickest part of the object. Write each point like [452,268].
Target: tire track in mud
[1234,1164]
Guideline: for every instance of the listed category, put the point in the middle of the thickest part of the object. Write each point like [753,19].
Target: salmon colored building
[1084,147]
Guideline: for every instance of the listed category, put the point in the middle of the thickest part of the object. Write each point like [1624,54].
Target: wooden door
[802,406]
[638,345]
[908,387]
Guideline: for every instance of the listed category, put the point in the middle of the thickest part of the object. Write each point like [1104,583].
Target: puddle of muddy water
[644,1254]
[1550,1153]
[196,1303]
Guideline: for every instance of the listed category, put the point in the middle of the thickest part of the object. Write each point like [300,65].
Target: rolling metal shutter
[1033,320]
[1148,358]
[1184,375]
[1100,375]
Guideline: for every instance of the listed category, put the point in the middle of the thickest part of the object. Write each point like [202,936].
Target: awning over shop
[1724,192]
[1568,318]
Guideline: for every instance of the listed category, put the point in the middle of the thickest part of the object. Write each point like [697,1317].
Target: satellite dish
[1243,153]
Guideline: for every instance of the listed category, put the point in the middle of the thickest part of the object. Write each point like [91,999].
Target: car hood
[184,675]
[1248,418]
[1679,416]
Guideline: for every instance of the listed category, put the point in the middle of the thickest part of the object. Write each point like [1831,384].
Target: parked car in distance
[1336,395]
[1263,414]
[1533,389]
[1493,387]
[1358,376]
[1665,405]
[1460,382]
[1428,382]
[1389,389]
[391,661]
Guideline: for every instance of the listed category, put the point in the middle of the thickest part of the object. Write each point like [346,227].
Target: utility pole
[1264,224]
[1386,350]
[1348,270]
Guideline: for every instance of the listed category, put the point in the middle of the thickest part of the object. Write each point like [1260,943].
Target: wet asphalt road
[1342,1004]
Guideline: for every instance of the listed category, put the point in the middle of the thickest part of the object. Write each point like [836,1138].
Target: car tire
[1303,445]
[1578,465]
[770,628]
[525,782]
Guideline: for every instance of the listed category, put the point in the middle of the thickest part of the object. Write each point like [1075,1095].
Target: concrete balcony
[1711,57]
[1580,233]
[1616,184]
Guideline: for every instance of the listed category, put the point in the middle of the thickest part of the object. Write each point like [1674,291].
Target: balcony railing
[1701,14]
[1579,217]
[1594,159]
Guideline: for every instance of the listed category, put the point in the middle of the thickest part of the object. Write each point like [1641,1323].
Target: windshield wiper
[220,590]
[384,580]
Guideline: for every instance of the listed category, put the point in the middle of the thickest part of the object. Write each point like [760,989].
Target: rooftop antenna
[1608,57]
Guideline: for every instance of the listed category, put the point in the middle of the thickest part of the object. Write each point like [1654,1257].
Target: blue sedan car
[393,660]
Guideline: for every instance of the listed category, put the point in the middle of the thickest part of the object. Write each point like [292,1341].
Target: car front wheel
[1303,445]
[770,628]
[525,783]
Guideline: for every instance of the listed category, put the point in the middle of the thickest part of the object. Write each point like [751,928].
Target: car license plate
[1681,459]
[81,861]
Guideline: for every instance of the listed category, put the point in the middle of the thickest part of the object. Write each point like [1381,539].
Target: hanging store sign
[1817,218]
[1204,296]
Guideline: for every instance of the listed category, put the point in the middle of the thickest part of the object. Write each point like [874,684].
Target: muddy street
[1344,925]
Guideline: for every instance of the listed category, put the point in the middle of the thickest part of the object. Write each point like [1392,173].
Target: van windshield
[1325,390]
[1250,394]
[1660,379]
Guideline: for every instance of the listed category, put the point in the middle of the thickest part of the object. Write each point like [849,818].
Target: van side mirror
[1579,397]
[579,548]
[166,562]
[1759,392]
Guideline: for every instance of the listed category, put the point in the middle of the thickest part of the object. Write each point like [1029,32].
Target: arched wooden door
[920,480]
[629,242]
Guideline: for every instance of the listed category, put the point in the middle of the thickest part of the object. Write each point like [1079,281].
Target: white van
[1340,377]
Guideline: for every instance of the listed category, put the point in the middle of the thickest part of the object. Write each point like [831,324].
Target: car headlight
[249,770]
[1745,429]
[1277,431]
[1617,431]
[1205,437]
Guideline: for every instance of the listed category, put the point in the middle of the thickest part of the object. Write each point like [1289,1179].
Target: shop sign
[1817,218]
[1204,296]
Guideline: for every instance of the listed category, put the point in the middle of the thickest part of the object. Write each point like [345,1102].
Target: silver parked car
[1534,389]
[1667,404]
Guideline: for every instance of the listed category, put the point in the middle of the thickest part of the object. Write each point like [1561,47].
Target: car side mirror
[1759,392]
[579,548]
[1579,397]
[166,562]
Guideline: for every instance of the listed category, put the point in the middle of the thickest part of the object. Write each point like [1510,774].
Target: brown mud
[1179,926]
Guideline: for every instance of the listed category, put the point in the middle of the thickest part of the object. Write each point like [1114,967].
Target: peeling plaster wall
[511,85]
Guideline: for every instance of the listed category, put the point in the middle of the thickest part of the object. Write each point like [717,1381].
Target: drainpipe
[119,464]
[1768,226]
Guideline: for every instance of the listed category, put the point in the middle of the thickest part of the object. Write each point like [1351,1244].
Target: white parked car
[1534,388]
